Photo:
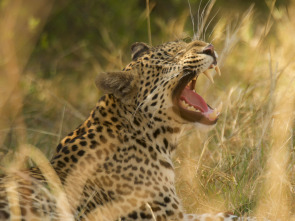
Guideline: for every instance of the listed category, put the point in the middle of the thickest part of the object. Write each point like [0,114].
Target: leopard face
[164,78]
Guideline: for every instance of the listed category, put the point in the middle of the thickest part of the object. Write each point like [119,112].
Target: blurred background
[51,52]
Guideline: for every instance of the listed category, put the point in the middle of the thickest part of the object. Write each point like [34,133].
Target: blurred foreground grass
[245,164]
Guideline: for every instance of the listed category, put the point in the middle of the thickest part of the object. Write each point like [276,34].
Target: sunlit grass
[247,163]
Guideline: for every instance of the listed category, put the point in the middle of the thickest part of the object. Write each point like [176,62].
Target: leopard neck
[110,127]
[156,126]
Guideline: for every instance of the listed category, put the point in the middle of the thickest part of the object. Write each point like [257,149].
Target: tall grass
[245,164]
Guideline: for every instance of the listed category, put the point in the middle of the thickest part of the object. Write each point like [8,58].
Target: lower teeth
[188,107]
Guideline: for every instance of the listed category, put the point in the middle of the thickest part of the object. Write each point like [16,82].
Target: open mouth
[190,105]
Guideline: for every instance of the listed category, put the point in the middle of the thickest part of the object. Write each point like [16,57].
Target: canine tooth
[215,53]
[208,75]
[217,70]
[213,115]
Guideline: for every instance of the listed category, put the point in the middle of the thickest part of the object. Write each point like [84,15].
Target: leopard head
[163,78]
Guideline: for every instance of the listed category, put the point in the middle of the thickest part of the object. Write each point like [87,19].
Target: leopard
[117,165]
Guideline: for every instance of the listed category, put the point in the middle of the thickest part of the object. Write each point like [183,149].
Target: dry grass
[245,164]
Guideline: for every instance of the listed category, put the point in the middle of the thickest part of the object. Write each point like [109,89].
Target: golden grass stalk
[275,200]
[53,181]
[20,24]
[13,199]
[148,21]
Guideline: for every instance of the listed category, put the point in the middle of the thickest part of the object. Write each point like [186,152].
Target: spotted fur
[117,164]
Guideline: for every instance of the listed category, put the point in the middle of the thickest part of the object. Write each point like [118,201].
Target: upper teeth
[207,73]
[217,70]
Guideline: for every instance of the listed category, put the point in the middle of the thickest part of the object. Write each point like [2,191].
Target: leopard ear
[122,84]
[137,49]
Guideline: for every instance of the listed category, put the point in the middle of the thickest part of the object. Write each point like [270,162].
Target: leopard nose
[209,50]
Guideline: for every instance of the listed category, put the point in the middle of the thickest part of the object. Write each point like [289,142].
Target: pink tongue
[193,99]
